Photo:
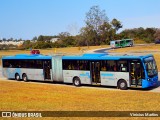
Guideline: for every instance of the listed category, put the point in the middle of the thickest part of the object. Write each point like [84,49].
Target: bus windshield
[151,66]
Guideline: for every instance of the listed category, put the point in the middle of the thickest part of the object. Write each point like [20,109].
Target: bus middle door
[95,72]
[136,73]
[46,69]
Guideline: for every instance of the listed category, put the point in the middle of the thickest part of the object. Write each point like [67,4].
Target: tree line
[98,30]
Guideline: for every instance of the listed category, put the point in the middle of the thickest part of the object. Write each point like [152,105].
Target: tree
[90,34]
[34,38]
[87,36]
[95,17]
[98,29]
[40,38]
[26,44]
[157,34]
[146,35]
[63,35]
[116,24]
[105,33]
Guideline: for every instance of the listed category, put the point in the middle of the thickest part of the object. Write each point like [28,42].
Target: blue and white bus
[106,70]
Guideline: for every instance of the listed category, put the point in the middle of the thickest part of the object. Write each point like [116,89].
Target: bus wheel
[122,85]
[17,77]
[77,81]
[24,77]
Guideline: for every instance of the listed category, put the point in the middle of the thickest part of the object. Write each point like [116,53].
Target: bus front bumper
[150,83]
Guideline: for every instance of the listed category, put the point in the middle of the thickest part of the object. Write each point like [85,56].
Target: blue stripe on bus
[107,74]
[85,74]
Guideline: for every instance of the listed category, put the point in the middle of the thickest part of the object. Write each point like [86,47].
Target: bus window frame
[27,65]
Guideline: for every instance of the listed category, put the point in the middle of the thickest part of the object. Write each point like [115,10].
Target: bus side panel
[83,75]
[107,78]
[10,72]
[33,74]
[57,73]
[29,72]
[111,78]
[122,75]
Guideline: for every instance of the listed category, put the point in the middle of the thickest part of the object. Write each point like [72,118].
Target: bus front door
[46,69]
[95,72]
[136,73]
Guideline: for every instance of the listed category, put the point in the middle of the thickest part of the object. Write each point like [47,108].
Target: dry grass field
[33,96]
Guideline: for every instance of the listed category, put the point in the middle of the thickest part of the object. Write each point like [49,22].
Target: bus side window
[76,65]
[6,63]
[69,67]
[111,65]
[64,64]
[123,66]
[114,68]
[81,65]
[103,65]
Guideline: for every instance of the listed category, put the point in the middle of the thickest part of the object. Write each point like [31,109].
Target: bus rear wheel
[77,82]
[17,77]
[24,77]
[122,84]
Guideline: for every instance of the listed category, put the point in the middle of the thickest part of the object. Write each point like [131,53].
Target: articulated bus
[92,69]
[121,43]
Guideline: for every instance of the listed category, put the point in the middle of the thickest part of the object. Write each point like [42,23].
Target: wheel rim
[122,85]
[24,78]
[76,82]
[17,77]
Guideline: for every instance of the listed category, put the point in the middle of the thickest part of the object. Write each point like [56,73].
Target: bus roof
[96,56]
[104,57]
[28,56]
[120,40]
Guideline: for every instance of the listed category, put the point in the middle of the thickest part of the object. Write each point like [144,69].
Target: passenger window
[111,65]
[122,66]
[76,65]
[104,65]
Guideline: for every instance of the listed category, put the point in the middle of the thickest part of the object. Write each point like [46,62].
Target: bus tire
[122,84]
[76,82]
[17,77]
[24,77]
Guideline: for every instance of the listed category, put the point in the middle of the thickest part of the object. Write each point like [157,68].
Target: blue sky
[28,18]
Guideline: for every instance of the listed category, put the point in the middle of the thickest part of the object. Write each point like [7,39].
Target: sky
[29,18]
